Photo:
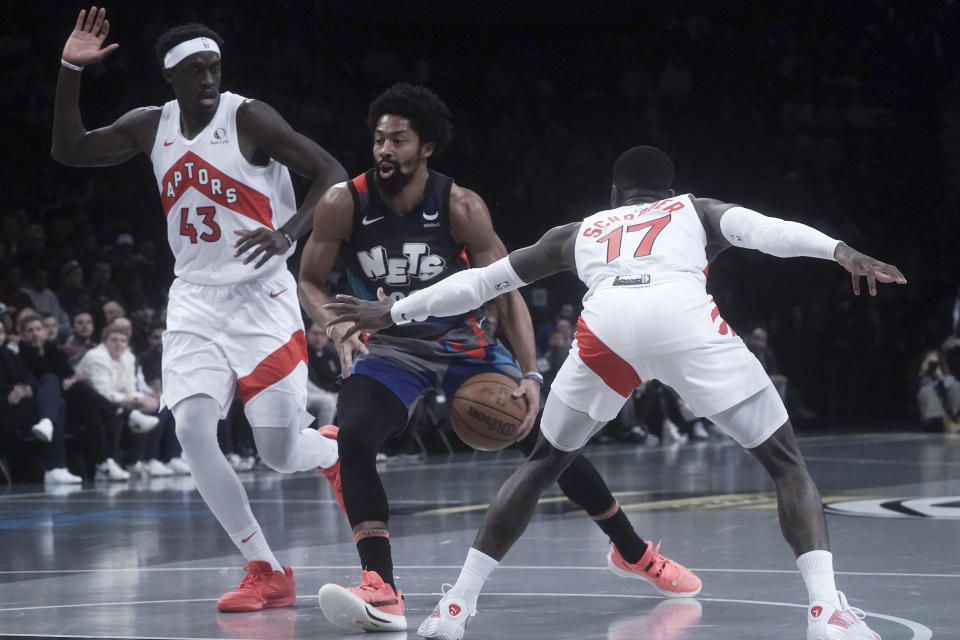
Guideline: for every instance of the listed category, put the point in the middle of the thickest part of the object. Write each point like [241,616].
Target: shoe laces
[254,576]
[663,566]
[845,606]
[367,583]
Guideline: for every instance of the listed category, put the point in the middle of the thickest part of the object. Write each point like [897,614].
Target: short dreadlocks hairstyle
[429,116]
[175,35]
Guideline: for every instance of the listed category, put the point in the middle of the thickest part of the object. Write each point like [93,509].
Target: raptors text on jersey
[209,191]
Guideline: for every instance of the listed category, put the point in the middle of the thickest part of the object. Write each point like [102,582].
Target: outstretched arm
[72,143]
[742,227]
[261,125]
[465,290]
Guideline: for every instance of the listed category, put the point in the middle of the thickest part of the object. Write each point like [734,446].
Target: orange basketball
[484,414]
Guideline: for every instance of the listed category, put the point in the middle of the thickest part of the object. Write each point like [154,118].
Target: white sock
[477,568]
[816,568]
[216,480]
[254,546]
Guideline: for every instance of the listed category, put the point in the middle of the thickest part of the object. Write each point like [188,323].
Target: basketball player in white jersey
[220,162]
[646,316]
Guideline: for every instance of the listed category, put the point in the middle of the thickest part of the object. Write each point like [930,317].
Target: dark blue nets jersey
[404,253]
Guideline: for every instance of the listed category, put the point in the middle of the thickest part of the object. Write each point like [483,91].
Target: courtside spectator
[32,406]
[81,338]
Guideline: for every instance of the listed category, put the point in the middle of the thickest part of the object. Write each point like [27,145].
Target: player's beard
[393,184]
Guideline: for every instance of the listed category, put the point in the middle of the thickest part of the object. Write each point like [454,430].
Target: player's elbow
[65,156]
[57,153]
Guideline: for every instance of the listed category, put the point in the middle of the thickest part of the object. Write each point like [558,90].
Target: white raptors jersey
[642,242]
[209,191]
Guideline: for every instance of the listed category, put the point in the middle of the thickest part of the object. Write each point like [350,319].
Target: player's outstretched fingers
[891,272]
[98,22]
[91,17]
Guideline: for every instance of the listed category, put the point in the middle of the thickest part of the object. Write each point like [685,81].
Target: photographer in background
[938,394]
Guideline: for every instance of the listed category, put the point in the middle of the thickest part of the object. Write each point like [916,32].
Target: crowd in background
[843,118]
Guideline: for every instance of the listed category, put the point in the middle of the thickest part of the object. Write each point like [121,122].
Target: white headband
[188,48]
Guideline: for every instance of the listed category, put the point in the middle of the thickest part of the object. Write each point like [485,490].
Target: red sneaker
[668,577]
[263,588]
[333,473]
[373,606]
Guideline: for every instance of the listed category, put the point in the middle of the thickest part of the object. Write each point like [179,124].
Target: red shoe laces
[254,575]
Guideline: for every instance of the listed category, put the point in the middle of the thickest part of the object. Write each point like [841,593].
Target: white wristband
[535,376]
[70,65]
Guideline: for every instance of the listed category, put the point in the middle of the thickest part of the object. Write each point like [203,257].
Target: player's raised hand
[861,265]
[85,44]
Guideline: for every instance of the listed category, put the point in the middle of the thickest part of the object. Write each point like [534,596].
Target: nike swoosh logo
[167,143]
[274,295]
[432,216]
[244,541]
[366,221]
[382,603]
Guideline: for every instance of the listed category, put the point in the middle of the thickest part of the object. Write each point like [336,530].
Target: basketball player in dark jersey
[400,227]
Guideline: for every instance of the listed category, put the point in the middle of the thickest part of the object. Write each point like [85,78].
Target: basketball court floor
[147,560]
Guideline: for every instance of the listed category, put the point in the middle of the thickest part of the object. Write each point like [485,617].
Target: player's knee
[547,463]
[193,436]
[781,456]
[278,458]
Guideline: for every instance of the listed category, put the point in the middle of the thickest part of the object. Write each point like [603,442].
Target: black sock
[375,556]
[622,534]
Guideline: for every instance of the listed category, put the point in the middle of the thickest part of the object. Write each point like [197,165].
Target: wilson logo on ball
[492,424]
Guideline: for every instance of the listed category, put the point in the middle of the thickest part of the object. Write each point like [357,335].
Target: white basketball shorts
[670,331]
[245,337]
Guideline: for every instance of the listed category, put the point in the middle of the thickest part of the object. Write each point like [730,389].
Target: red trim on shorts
[360,183]
[612,369]
[477,354]
[275,367]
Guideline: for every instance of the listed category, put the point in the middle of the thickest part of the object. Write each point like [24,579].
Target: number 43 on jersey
[204,216]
